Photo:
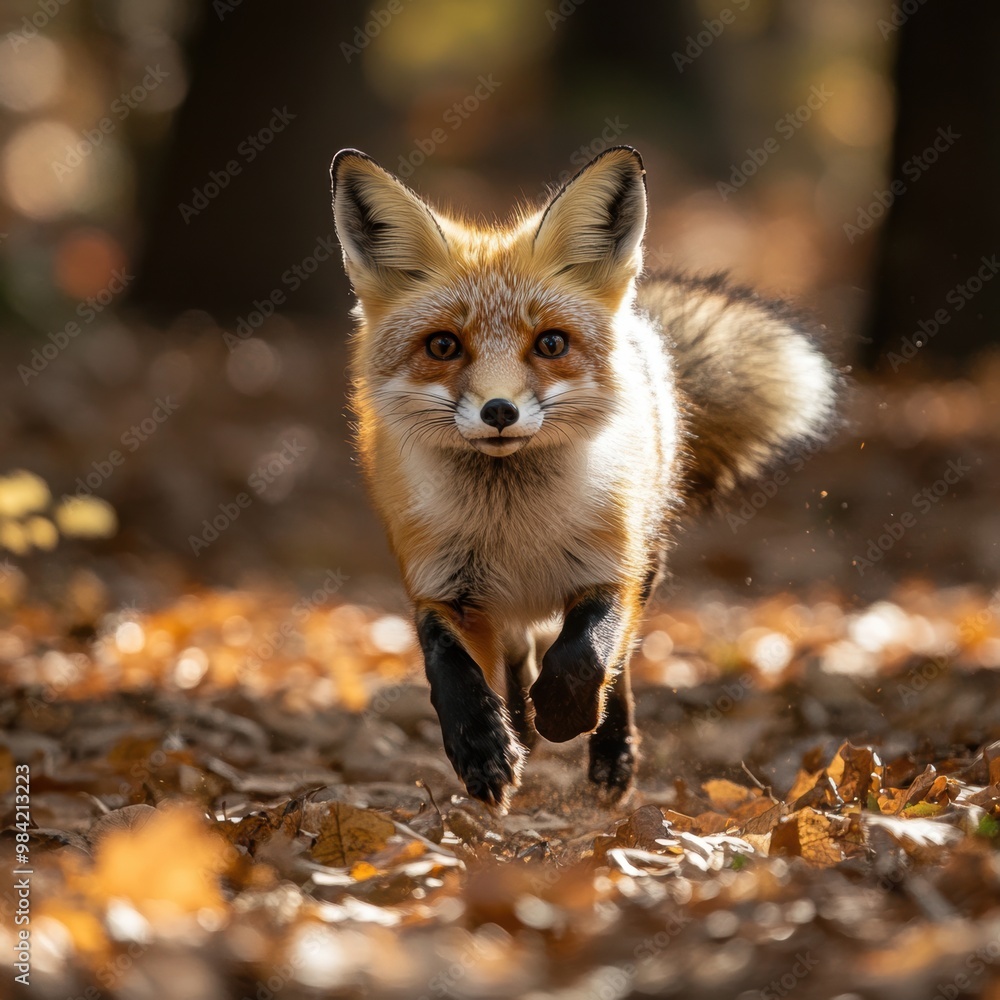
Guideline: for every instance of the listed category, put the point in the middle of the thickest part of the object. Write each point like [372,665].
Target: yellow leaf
[22,493]
[86,517]
[166,863]
[14,538]
[348,834]
[363,871]
[41,532]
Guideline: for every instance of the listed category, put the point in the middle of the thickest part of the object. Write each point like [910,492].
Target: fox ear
[592,229]
[391,239]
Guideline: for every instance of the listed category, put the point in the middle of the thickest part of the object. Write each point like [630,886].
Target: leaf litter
[295,830]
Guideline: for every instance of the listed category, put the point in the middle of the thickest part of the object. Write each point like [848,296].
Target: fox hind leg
[519,667]
[614,745]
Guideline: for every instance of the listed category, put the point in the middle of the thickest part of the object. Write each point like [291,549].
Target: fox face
[490,340]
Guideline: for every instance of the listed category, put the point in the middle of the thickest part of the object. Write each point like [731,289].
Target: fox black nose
[499,413]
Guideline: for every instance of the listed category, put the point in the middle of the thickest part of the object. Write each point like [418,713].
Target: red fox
[532,423]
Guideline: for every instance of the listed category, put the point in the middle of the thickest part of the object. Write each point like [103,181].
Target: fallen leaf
[820,839]
[726,796]
[348,834]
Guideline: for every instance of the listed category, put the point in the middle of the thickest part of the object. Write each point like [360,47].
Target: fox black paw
[487,758]
[567,697]
[612,766]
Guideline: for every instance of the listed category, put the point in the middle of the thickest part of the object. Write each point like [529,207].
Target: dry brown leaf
[819,839]
[765,821]
[256,829]
[988,798]
[823,794]
[804,782]
[857,773]
[711,822]
[642,829]
[348,834]
[678,821]
[130,818]
[726,796]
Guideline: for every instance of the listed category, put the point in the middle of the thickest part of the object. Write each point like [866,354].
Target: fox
[534,419]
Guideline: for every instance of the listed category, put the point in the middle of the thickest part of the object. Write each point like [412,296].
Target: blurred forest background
[173,311]
[237,781]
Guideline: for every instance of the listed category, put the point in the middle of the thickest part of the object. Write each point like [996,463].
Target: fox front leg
[477,734]
[570,692]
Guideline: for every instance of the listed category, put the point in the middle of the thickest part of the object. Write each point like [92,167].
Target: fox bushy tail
[754,385]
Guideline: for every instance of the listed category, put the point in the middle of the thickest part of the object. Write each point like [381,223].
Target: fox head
[491,339]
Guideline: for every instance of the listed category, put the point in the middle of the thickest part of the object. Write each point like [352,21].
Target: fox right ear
[390,238]
[592,229]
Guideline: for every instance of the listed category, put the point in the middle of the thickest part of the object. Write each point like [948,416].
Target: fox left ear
[592,229]
[391,239]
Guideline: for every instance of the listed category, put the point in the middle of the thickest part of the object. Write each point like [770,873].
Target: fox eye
[552,344]
[443,346]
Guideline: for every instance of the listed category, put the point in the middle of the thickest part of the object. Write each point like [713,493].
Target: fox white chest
[516,537]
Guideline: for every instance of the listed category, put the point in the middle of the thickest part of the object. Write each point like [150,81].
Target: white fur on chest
[521,547]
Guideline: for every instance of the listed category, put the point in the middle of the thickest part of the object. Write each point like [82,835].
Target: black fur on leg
[614,746]
[569,692]
[474,723]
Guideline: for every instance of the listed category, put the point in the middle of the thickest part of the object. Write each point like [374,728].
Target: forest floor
[241,791]
[240,795]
